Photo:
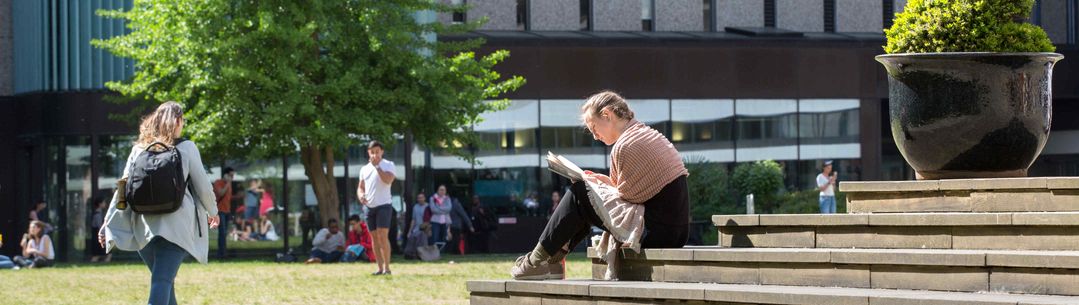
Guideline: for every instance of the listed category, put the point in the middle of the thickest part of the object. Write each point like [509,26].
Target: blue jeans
[326,257]
[163,258]
[222,233]
[827,204]
[438,232]
[251,213]
[6,263]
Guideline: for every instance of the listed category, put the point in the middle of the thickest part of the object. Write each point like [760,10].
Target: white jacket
[185,227]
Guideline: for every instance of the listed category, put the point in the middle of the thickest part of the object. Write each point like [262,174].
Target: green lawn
[264,282]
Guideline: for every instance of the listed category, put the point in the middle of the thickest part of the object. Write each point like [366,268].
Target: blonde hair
[161,125]
[593,107]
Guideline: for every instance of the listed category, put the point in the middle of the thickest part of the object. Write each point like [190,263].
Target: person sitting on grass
[266,230]
[244,231]
[329,244]
[5,262]
[359,241]
[37,248]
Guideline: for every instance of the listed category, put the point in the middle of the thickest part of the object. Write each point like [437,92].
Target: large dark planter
[970,115]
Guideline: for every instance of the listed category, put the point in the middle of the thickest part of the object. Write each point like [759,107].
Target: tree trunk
[318,163]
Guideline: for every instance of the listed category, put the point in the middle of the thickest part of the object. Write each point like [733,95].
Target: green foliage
[265,78]
[800,202]
[966,26]
[709,190]
[806,202]
[763,179]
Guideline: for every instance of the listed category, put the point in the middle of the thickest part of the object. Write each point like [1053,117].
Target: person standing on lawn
[376,177]
[223,192]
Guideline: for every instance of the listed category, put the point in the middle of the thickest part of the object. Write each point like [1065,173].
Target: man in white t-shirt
[374,192]
[826,186]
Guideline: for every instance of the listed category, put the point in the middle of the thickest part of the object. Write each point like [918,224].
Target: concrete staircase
[972,241]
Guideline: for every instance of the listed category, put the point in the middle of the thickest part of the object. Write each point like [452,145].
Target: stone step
[588,292]
[1043,194]
[1027,272]
[1003,231]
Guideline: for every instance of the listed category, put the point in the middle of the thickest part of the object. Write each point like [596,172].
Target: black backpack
[157,182]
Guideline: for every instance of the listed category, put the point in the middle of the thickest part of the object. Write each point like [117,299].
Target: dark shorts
[379,217]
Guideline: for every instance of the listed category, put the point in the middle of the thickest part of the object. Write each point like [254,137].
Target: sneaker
[313,260]
[557,266]
[377,273]
[525,270]
[556,271]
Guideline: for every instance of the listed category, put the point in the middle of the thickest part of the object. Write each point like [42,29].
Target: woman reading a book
[645,169]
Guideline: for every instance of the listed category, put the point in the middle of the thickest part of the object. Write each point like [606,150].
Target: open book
[564,167]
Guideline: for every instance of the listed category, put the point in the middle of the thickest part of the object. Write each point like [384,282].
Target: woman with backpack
[163,233]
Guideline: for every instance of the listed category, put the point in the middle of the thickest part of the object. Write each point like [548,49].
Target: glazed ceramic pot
[970,115]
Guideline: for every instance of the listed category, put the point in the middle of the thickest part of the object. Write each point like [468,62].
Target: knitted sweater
[643,161]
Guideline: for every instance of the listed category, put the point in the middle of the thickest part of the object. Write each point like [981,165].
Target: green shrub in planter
[927,26]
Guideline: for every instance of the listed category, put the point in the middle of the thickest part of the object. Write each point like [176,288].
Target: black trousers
[666,219]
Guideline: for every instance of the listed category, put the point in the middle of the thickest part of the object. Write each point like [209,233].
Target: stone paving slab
[941,219]
[550,287]
[995,184]
[495,286]
[813,219]
[1046,219]
[647,292]
[901,219]
[1034,259]
[913,257]
[736,220]
[1035,183]
[1059,183]
[1036,194]
[1036,281]
[889,186]
[908,257]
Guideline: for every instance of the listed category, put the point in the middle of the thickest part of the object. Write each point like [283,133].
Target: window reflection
[766,129]
[703,129]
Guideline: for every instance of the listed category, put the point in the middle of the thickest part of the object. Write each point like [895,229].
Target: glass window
[111,159]
[563,133]
[703,128]
[522,15]
[458,17]
[766,129]
[708,16]
[648,15]
[586,15]
[68,189]
[509,135]
[828,129]
[507,169]
[656,113]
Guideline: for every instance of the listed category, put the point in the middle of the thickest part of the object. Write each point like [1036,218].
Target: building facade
[727,81]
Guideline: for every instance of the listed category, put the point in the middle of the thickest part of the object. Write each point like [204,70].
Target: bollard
[749,204]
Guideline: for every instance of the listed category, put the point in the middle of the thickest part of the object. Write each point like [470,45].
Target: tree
[268,78]
[709,190]
[763,179]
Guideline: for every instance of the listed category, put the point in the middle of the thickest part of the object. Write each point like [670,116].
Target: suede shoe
[556,265]
[523,269]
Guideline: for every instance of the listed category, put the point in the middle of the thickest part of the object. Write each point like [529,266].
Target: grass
[264,282]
